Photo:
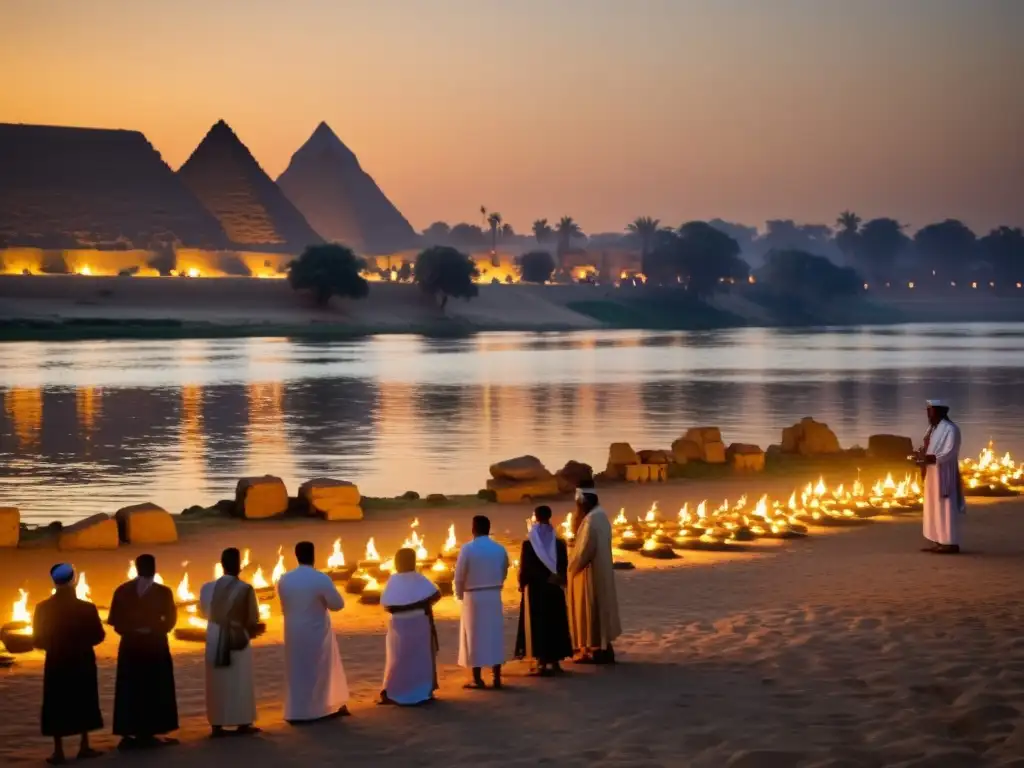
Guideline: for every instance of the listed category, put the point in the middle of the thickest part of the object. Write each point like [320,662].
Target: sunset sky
[600,109]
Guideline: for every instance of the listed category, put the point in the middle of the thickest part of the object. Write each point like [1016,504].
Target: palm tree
[566,230]
[848,234]
[542,231]
[644,228]
[494,222]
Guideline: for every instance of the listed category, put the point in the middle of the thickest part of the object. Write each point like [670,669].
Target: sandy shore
[847,649]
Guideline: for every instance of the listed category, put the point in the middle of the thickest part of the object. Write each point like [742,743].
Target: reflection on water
[92,426]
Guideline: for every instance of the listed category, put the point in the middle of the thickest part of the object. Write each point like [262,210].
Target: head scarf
[62,574]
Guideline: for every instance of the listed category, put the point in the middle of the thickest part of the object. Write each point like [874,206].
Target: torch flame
[337,558]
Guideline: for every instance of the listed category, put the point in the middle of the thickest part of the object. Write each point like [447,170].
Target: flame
[439,566]
[371,552]
[259,581]
[451,543]
[620,519]
[337,558]
[372,585]
[652,513]
[415,523]
[650,544]
[702,511]
[264,610]
[567,531]
[218,571]
[684,515]
[388,566]
[245,560]
[278,571]
[819,489]
[82,589]
[20,610]
[183,591]
[133,572]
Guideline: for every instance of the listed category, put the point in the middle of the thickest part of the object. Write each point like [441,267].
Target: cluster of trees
[330,270]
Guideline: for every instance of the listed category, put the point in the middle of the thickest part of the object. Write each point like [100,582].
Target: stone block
[519,468]
[890,447]
[513,492]
[714,453]
[809,438]
[575,474]
[684,450]
[659,472]
[620,456]
[703,435]
[145,524]
[95,532]
[334,500]
[638,473]
[654,457]
[257,498]
[748,462]
[10,526]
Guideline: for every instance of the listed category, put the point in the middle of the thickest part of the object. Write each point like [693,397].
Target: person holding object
[939,460]
[315,684]
[143,612]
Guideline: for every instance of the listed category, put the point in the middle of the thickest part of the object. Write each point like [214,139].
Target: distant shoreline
[71,307]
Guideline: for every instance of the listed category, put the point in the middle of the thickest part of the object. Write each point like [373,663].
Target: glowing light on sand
[337,558]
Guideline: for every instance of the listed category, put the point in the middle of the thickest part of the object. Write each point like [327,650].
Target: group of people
[568,609]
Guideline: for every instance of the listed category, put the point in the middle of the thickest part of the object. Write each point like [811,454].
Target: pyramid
[343,203]
[253,211]
[71,188]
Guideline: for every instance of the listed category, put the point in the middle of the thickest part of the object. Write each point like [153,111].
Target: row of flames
[726,524]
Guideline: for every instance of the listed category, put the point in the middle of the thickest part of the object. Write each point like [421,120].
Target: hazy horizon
[599,109]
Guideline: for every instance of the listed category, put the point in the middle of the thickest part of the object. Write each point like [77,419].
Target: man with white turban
[939,459]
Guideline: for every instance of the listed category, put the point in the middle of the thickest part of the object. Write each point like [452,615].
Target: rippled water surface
[92,426]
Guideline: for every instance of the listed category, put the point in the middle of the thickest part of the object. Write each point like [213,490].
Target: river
[92,426]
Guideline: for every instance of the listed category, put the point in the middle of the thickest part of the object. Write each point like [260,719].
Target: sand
[850,648]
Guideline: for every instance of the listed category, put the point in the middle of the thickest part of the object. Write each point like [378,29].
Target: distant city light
[974,285]
[1018,285]
[991,284]
[865,286]
[751,280]
[953,284]
[910,284]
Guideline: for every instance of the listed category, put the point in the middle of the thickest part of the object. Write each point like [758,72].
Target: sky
[603,110]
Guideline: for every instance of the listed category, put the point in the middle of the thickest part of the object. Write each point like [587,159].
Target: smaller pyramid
[343,203]
[254,212]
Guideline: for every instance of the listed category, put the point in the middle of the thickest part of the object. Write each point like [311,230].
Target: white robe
[230,691]
[409,669]
[480,573]
[315,684]
[942,516]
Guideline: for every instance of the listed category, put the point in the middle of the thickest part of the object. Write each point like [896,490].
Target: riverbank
[847,648]
[67,307]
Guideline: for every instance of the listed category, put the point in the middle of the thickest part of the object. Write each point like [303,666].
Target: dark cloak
[543,617]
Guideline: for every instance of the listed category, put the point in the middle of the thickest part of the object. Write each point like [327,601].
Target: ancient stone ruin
[340,200]
[88,188]
[254,212]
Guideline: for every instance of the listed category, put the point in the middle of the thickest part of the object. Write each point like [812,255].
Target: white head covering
[581,493]
[937,404]
[406,589]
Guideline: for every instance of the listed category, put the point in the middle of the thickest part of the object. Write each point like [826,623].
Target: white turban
[937,404]
[582,493]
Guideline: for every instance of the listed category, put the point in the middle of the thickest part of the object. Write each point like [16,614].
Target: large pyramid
[342,201]
[70,188]
[251,208]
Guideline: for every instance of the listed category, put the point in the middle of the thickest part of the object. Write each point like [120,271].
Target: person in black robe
[67,629]
[143,613]
[543,617]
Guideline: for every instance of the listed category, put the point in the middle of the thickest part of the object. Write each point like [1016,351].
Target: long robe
[230,690]
[144,699]
[315,684]
[943,493]
[593,602]
[543,632]
[68,629]
[410,668]
[480,573]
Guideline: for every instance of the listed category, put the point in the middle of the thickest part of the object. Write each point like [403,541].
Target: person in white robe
[410,668]
[944,502]
[480,573]
[229,605]
[315,683]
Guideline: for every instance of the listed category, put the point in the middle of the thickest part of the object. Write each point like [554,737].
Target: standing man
[143,613]
[480,572]
[939,459]
[67,629]
[543,633]
[315,684]
[593,603]
[410,667]
[229,605]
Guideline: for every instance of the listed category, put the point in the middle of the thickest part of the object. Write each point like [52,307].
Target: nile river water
[92,426]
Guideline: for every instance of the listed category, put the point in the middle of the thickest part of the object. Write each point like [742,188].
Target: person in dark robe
[143,613]
[67,629]
[543,634]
